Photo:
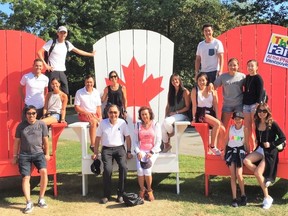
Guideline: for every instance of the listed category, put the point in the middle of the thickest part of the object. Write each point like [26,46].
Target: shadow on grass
[164,186]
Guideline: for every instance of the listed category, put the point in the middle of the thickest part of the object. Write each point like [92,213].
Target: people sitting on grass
[263,160]
[205,109]
[87,104]
[235,151]
[147,147]
[178,104]
[55,104]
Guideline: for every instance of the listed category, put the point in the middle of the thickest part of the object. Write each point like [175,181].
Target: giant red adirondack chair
[18,51]
[244,43]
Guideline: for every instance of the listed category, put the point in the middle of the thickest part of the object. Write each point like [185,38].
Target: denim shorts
[56,115]
[249,108]
[228,109]
[26,160]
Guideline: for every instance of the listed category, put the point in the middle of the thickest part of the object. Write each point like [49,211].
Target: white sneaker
[29,208]
[215,151]
[267,184]
[267,203]
[42,203]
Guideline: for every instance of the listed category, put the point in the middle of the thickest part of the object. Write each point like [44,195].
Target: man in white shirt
[111,132]
[55,65]
[209,55]
[87,104]
[33,88]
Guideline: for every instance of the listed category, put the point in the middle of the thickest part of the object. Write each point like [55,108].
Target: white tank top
[236,137]
[204,101]
[55,103]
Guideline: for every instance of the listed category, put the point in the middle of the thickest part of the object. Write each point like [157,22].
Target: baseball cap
[238,115]
[62,28]
[145,163]
[95,167]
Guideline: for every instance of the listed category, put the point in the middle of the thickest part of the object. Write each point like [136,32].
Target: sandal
[150,195]
[167,148]
[142,193]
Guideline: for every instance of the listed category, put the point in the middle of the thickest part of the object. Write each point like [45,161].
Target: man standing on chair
[31,146]
[111,132]
[209,55]
[57,50]
[33,88]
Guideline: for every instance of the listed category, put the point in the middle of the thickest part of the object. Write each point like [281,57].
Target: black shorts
[25,163]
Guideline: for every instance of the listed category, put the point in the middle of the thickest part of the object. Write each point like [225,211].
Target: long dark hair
[268,119]
[172,90]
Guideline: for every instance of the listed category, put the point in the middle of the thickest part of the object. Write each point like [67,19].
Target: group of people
[242,101]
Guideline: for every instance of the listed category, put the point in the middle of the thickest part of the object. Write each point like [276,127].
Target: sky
[5,8]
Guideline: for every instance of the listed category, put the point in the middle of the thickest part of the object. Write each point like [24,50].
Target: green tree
[89,20]
[259,11]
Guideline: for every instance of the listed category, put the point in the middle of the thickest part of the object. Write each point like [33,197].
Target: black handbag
[132,199]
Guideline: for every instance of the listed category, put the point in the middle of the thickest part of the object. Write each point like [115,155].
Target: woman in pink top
[147,148]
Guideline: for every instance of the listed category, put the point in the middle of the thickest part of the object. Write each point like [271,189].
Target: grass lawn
[191,200]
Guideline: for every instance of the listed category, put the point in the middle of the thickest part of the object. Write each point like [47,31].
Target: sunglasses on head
[113,76]
[263,111]
[31,113]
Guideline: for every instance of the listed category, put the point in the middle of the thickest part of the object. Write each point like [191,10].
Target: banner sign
[277,51]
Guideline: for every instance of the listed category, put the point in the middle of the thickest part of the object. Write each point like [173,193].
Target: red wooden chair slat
[18,53]
[3,98]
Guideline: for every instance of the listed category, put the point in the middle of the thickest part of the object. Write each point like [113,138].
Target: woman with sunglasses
[115,94]
[268,138]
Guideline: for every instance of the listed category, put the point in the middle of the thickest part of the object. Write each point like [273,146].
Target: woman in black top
[115,94]
[264,159]
[252,97]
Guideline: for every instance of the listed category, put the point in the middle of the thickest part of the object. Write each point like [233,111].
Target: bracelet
[128,151]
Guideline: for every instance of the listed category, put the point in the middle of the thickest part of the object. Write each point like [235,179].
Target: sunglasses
[113,76]
[31,113]
[113,112]
[263,111]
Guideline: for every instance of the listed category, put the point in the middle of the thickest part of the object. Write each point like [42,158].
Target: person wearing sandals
[263,160]
[87,104]
[115,94]
[205,109]
[176,110]
[235,152]
[55,104]
[147,147]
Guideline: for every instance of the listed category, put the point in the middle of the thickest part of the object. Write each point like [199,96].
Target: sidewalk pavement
[190,143]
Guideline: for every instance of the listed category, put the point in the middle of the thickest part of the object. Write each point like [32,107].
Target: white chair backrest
[144,62]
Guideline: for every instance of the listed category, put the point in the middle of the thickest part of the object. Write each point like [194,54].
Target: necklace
[249,83]
[260,135]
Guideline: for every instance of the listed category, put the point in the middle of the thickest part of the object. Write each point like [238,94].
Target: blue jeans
[108,155]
